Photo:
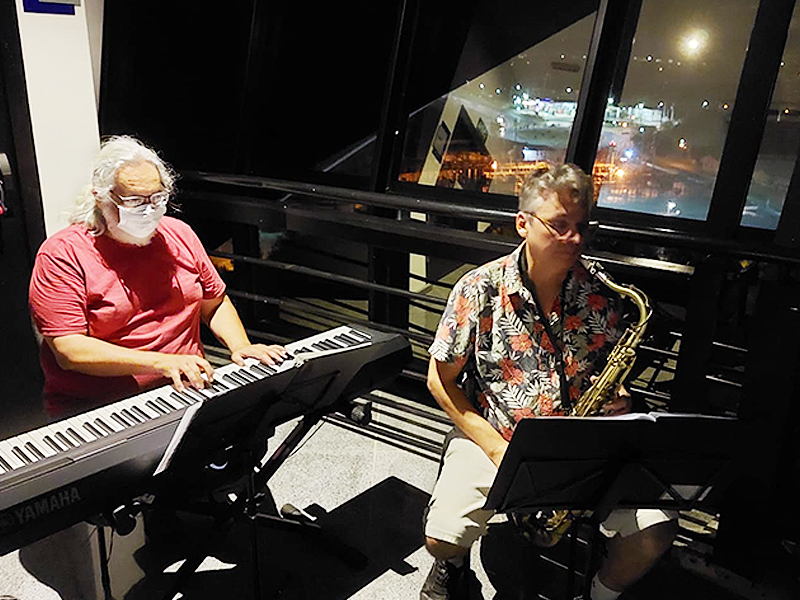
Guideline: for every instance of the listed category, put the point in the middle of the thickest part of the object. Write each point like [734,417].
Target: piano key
[244,374]
[18,452]
[36,439]
[94,431]
[178,397]
[7,468]
[156,407]
[104,427]
[350,341]
[168,404]
[70,442]
[131,416]
[360,335]
[75,435]
[263,369]
[11,458]
[118,418]
[144,416]
[33,450]
[103,415]
[195,394]
[235,380]
[34,446]
[55,445]
[189,396]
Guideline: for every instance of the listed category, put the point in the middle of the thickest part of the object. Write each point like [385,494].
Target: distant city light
[705,104]
[682,144]
[568,90]
[694,42]
[786,111]
[649,58]
[494,165]
[480,85]
[518,87]
[641,129]
[497,91]
[629,153]
[725,106]
[562,57]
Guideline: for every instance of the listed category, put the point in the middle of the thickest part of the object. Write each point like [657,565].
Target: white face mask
[140,222]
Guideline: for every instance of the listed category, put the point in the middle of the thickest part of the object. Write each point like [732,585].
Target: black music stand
[601,463]
[236,428]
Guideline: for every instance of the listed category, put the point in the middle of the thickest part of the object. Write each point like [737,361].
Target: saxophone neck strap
[566,403]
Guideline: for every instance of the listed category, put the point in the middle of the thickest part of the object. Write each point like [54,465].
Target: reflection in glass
[487,134]
[779,145]
[662,140]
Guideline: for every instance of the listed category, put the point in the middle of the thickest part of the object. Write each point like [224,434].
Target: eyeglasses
[156,199]
[562,229]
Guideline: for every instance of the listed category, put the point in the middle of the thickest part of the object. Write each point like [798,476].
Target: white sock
[601,592]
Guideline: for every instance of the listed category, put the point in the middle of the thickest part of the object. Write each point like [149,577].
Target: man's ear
[521,223]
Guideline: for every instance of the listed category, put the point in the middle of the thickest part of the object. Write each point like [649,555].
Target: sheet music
[187,417]
[650,416]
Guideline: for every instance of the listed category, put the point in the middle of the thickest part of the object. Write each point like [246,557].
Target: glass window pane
[662,140]
[486,134]
[779,145]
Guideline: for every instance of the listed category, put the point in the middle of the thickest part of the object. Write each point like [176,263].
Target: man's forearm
[92,356]
[452,400]
[225,324]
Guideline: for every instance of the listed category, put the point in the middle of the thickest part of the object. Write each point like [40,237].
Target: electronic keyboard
[71,470]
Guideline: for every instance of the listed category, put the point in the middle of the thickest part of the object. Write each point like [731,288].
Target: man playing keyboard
[118,296]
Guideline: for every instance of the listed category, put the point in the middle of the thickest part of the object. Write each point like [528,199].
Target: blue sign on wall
[55,8]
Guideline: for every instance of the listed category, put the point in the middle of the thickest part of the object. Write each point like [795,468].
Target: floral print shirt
[493,328]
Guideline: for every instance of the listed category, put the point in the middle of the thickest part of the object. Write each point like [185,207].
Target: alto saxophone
[546,528]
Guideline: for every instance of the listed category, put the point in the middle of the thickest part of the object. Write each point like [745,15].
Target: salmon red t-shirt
[140,297]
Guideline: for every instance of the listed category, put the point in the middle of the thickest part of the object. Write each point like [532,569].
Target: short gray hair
[556,178]
[115,152]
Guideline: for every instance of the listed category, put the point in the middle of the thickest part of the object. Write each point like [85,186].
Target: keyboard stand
[247,508]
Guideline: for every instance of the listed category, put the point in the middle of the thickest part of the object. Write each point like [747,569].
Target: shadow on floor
[383,523]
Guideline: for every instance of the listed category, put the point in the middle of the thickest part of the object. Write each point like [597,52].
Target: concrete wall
[61,92]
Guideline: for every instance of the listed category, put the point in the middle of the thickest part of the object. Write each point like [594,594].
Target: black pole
[739,155]
[611,40]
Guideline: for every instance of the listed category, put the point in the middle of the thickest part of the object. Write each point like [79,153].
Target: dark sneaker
[449,582]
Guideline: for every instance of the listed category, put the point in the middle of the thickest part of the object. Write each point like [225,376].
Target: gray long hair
[562,177]
[115,153]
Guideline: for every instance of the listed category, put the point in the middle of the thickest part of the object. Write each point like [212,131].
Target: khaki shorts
[456,514]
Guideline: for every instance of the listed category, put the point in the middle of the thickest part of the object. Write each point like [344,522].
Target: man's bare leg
[630,557]
[444,550]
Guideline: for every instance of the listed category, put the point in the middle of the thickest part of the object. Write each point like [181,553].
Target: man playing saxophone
[522,337]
